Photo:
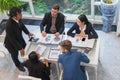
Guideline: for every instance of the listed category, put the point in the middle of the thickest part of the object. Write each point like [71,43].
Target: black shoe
[21,68]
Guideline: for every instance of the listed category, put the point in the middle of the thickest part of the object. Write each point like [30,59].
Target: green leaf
[6,5]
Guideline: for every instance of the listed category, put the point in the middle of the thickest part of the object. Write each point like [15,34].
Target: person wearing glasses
[70,61]
[54,22]
[83,28]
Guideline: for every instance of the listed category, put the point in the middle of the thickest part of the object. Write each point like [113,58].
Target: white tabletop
[93,53]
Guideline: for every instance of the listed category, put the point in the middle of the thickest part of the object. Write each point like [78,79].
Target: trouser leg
[14,55]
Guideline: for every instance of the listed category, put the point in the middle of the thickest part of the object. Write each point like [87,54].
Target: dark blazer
[89,30]
[14,39]
[37,69]
[47,20]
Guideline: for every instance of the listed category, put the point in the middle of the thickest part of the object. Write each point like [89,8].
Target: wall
[118,20]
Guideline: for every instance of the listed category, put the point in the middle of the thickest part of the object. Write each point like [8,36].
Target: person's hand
[46,62]
[57,34]
[30,34]
[77,35]
[43,33]
[79,50]
[38,54]
[22,52]
[81,35]
[56,38]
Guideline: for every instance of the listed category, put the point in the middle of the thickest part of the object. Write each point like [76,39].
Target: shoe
[21,68]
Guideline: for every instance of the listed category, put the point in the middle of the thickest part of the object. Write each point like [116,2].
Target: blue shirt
[71,65]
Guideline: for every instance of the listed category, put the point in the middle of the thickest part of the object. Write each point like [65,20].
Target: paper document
[79,43]
[54,53]
[40,49]
[50,39]
[56,41]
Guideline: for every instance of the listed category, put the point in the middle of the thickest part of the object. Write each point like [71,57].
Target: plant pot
[108,13]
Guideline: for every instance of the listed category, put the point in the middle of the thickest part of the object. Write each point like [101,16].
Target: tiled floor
[108,68]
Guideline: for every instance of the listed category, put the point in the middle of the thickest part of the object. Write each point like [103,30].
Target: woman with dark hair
[36,68]
[70,62]
[83,28]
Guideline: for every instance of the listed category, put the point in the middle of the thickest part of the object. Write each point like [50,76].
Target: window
[97,12]
[25,8]
[71,8]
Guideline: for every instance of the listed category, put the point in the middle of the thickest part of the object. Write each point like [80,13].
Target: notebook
[54,53]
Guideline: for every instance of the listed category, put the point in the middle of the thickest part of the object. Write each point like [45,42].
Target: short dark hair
[83,18]
[13,11]
[56,7]
[33,57]
[66,44]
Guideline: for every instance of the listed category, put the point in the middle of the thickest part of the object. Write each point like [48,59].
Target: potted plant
[6,5]
[108,8]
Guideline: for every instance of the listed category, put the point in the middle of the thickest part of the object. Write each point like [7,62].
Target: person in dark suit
[83,28]
[54,22]
[14,41]
[37,68]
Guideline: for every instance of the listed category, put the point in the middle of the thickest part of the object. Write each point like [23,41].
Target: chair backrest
[24,77]
[60,78]
[2,54]
[2,37]
[3,50]
[87,74]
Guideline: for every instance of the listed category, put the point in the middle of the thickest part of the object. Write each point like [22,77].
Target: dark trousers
[14,55]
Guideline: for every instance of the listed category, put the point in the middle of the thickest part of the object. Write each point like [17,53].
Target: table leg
[95,72]
[55,70]
[57,67]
